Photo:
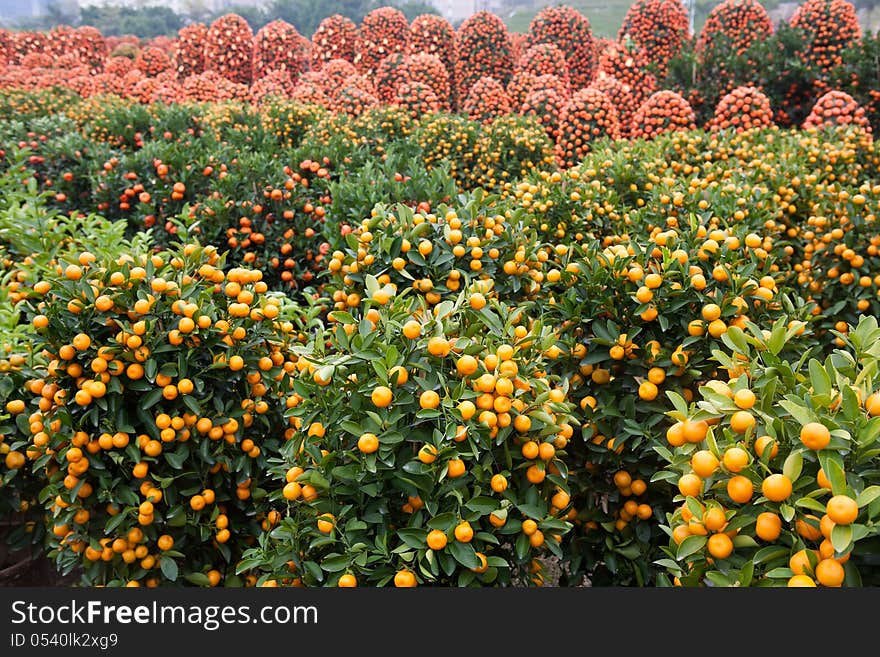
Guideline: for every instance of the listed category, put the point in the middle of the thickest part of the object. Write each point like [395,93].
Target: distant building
[13,11]
[456,11]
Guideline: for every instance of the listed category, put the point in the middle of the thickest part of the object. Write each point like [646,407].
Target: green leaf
[444,522]
[482,504]
[810,503]
[793,465]
[841,537]
[678,402]
[819,378]
[868,495]
[335,563]
[746,572]
[169,568]
[689,546]
[464,554]
[151,398]
[832,464]
[199,579]
[413,537]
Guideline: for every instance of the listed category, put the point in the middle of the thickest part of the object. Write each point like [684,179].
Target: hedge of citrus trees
[336,341]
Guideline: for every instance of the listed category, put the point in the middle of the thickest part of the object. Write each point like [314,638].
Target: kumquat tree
[402,302]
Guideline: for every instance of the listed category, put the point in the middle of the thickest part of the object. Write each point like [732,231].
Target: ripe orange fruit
[428,454]
[498,483]
[829,572]
[690,485]
[714,519]
[799,562]
[822,480]
[739,489]
[720,546]
[455,468]
[763,442]
[815,436]
[464,533]
[735,459]
[744,399]
[801,581]
[768,526]
[842,510]
[622,479]
[404,579]
[694,431]
[347,581]
[530,450]
[429,399]
[381,396]
[742,421]
[412,329]
[436,539]
[466,365]
[807,530]
[704,463]
[368,443]
[872,404]
[776,487]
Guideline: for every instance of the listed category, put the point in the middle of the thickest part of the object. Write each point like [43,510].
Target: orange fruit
[742,421]
[720,546]
[498,483]
[744,398]
[347,581]
[404,579]
[429,399]
[740,489]
[436,539]
[801,581]
[690,485]
[381,396]
[455,468]
[872,404]
[412,329]
[830,573]
[763,442]
[704,463]
[464,533]
[815,436]
[776,487]
[842,510]
[694,431]
[714,519]
[735,459]
[428,454]
[799,563]
[768,526]
[368,443]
